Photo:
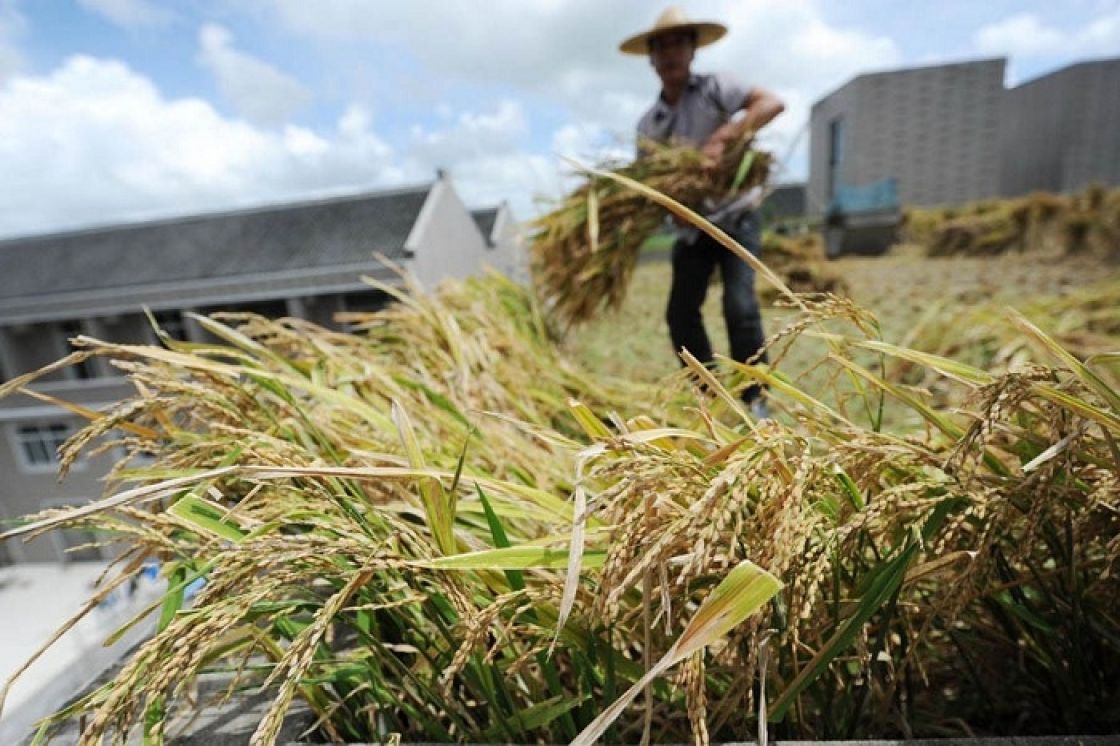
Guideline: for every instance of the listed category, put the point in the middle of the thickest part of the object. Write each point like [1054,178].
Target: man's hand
[759,108]
[712,150]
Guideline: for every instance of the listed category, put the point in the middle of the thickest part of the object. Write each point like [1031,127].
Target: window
[38,444]
[71,329]
[835,153]
[172,323]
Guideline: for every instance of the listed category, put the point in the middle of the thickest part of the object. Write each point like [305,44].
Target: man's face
[670,54]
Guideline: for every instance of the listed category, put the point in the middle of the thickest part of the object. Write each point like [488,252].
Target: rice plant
[437,528]
[584,251]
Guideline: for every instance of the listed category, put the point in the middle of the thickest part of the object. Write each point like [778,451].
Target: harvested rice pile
[438,529]
[584,252]
[801,263]
[1088,222]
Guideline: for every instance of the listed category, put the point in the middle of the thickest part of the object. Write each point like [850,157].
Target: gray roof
[485,220]
[309,235]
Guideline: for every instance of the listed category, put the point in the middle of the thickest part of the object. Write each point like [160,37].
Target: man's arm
[759,107]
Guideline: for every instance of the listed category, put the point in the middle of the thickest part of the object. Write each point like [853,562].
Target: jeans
[693,264]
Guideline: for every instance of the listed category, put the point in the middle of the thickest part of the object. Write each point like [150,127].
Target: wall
[446,241]
[840,103]
[1060,130]
[934,130]
[26,488]
[509,253]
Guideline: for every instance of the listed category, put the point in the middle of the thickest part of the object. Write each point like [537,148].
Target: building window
[71,329]
[835,153]
[172,323]
[38,444]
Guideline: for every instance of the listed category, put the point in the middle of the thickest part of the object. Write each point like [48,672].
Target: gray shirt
[706,104]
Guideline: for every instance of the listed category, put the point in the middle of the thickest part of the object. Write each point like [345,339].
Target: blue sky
[114,110]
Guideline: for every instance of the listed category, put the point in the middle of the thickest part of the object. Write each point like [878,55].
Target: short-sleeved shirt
[707,103]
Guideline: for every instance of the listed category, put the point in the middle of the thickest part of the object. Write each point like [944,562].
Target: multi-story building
[935,130]
[953,133]
[1061,131]
[302,259]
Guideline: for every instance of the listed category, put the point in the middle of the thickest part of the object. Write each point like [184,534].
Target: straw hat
[673,19]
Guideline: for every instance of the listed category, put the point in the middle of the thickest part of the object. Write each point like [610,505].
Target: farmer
[703,111]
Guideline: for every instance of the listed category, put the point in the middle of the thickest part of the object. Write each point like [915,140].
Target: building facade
[303,260]
[1061,132]
[953,133]
[935,130]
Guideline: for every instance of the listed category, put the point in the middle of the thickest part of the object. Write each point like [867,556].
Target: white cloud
[1026,35]
[94,141]
[473,135]
[565,53]
[256,89]
[1019,35]
[129,13]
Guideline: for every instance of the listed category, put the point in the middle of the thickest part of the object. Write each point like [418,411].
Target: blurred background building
[953,133]
[303,260]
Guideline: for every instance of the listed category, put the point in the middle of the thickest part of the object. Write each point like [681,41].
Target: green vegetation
[442,526]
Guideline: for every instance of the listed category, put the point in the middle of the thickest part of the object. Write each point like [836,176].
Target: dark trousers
[693,264]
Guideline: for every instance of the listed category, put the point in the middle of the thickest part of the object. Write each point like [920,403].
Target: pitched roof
[305,235]
[485,220]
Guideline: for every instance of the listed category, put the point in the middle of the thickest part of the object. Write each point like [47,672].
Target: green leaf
[1087,376]
[434,397]
[745,590]
[850,488]
[501,541]
[591,425]
[208,517]
[438,506]
[535,717]
[744,169]
[173,601]
[887,578]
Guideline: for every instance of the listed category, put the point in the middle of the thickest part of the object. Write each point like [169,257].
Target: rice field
[902,289]
[447,526]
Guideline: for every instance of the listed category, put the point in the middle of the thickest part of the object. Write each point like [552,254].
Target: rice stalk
[584,251]
[436,527]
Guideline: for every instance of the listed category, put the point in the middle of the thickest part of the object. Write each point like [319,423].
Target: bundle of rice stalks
[584,252]
[376,545]
[1088,222]
[801,263]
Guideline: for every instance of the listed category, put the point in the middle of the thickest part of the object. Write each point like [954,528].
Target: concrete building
[935,130]
[1061,132]
[303,259]
[953,133]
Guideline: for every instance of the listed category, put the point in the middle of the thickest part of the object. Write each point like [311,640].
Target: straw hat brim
[706,33]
